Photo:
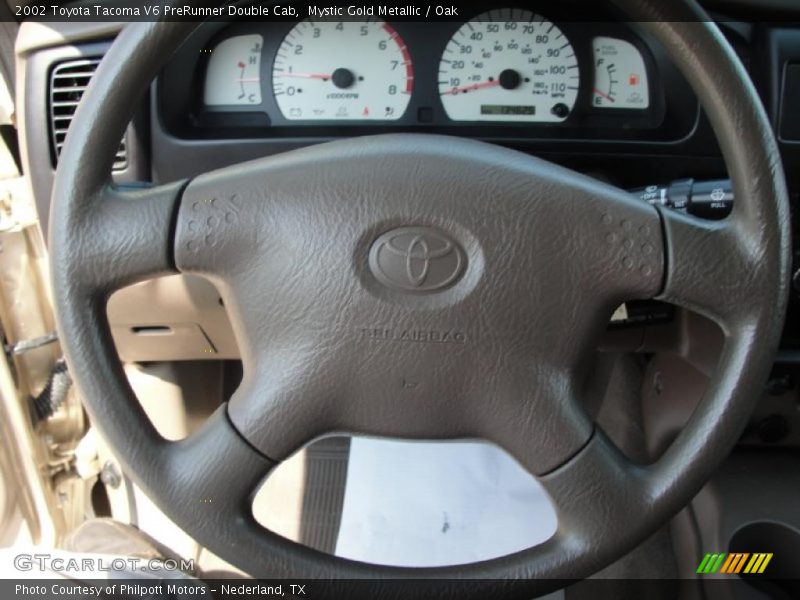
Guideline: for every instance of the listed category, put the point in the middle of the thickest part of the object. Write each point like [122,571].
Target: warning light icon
[634,79]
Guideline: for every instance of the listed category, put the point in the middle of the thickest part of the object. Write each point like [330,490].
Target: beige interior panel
[179,317]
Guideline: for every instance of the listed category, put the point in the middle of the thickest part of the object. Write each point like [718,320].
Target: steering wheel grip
[735,271]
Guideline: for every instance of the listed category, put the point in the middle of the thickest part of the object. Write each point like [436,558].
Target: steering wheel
[421,286]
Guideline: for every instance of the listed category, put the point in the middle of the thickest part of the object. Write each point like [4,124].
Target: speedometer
[509,65]
[327,70]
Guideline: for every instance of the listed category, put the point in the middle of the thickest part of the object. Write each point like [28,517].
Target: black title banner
[276,10]
[265,589]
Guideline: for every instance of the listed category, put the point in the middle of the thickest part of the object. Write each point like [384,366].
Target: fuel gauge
[620,77]
[233,75]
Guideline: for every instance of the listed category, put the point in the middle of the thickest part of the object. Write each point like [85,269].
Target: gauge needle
[603,94]
[472,87]
[306,75]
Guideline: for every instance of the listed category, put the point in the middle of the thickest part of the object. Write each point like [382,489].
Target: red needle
[472,87]
[306,75]
[604,95]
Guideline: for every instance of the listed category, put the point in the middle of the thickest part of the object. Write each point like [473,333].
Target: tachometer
[509,65]
[343,70]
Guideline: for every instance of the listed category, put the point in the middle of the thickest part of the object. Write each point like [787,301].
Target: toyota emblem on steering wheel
[416,259]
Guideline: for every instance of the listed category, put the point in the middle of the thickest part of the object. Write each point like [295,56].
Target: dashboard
[504,72]
[502,75]
[206,111]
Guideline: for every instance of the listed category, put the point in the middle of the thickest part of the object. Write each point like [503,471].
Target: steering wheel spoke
[125,236]
[282,405]
[218,482]
[712,268]
[596,491]
[533,411]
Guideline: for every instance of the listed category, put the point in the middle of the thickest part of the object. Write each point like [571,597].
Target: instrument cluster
[512,75]
[503,66]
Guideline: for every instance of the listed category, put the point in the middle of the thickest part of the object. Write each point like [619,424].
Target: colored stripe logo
[733,563]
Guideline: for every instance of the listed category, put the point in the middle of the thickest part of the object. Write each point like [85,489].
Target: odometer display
[509,65]
[327,70]
[499,109]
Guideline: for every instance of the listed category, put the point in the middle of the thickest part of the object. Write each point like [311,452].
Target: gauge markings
[233,72]
[350,71]
[508,65]
[613,57]
[604,95]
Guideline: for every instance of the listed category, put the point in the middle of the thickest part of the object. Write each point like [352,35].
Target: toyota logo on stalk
[416,259]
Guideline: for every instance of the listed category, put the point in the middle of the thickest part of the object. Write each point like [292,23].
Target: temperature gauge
[620,77]
[233,75]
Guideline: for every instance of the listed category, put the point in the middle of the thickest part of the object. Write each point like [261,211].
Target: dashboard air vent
[67,83]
